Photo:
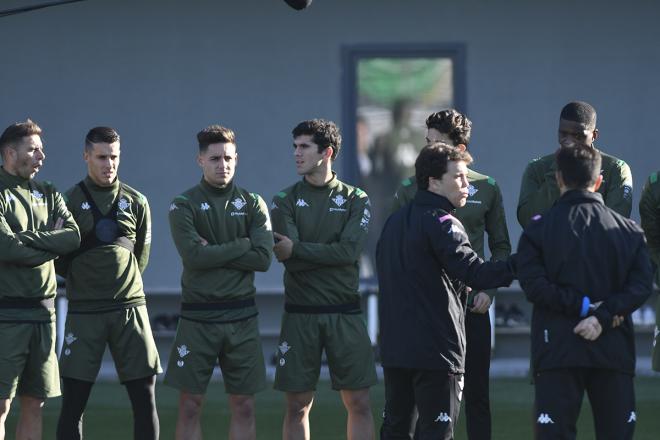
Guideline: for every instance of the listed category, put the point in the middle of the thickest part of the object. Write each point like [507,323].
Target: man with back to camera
[107,304]
[649,212]
[320,226]
[35,227]
[483,212]
[223,235]
[582,266]
[539,189]
[425,263]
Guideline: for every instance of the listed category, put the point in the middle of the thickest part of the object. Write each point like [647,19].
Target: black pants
[477,369]
[437,395]
[559,398]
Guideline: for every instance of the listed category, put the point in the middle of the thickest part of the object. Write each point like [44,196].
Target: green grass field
[108,415]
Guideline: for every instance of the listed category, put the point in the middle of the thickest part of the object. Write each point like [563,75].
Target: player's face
[433,135]
[102,162]
[28,157]
[218,164]
[453,184]
[307,156]
[572,134]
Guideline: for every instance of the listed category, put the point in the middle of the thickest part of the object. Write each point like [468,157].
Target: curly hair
[453,123]
[433,159]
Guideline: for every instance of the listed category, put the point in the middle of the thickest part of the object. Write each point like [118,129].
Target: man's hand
[59,224]
[589,328]
[203,241]
[481,303]
[283,247]
[617,321]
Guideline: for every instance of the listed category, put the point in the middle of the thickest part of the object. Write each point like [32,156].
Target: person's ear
[596,133]
[599,182]
[461,147]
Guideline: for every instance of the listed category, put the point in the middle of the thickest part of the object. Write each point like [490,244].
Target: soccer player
[107,305]
[320,226]
[35,228]
[582,266]
[425,263]
[539,189]
[649,211]
[223,235]
[482,213]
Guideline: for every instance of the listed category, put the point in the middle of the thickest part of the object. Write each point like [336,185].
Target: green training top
[483,212]
[28,244]
[539,190]
[236,225]
[649,211]
[328,226]
[110,276]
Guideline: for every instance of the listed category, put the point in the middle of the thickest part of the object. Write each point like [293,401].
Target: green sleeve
[649,212]
[61,241]
[498,234]
[351,241]
[619,189]
[283,223]
[143,235]
[188,242]
[13,251]
[258,258]
[536,195]
[403,195]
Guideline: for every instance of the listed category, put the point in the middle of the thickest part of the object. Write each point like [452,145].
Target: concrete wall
[159,70]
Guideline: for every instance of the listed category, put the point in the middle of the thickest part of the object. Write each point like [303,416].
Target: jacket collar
[576,195]
[427,198]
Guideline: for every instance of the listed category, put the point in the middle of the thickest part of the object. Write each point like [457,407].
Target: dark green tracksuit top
[110,276]
[649,212]
[328,226]
[240,241]
[483,212]
[539,190]
[28,244]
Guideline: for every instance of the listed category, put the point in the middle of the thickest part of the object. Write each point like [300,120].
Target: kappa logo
[183,351]
[366,218]
[123,204]
[544,419]
[632,418]
[302,203]
[173,207]
[627,191]
[472,190]
[205,206]
[443,417]
[70,338]
[273,206]
[239,203]
[284,347]
[85,206]
[339,200]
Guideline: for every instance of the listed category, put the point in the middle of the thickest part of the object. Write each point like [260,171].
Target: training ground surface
[108,416]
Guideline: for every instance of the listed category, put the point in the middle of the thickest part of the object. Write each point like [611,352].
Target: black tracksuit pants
[477,369]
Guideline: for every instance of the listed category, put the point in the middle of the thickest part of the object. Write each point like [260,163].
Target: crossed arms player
[35,228]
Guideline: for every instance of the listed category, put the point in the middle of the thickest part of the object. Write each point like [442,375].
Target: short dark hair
[16,132]
[580,112]
[215,134]
[452,123]
[324,133]
[579,166]
[96,135]
[433,159]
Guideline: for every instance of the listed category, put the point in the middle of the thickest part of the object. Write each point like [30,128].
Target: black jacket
[582,248]
[423,259]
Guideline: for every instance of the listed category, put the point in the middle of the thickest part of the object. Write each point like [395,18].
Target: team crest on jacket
[123,204]
[472,190]
[85,206]
[339,200]
[239,203]
[70,339]
[205,206]
[183,351]
[37,195]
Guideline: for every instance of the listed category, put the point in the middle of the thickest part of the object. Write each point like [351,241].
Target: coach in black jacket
[424,263]
[585,268]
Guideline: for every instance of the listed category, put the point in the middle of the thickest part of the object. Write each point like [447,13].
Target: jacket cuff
[603,316]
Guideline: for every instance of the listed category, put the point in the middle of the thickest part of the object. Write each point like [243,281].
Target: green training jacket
[28,244]
[110,276]
[539,190]
[649,212]
[328,226]
[236,225]
[483,212]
